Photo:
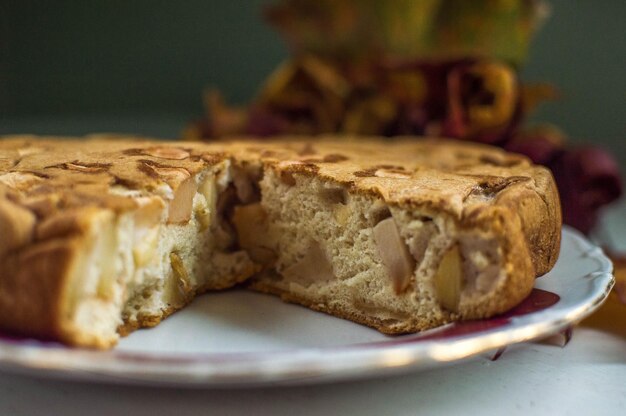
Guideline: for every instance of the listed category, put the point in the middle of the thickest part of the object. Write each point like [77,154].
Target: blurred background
[72,67]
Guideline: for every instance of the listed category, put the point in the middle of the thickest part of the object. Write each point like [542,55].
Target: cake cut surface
[106,234]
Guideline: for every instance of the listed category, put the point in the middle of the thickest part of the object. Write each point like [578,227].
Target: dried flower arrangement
[442,68]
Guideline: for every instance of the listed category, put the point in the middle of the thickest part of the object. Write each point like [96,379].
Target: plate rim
[297,365]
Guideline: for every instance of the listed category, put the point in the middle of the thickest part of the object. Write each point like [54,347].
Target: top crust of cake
[52,189]
[472,183]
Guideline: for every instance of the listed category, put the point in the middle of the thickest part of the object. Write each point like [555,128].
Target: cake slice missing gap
[121,245]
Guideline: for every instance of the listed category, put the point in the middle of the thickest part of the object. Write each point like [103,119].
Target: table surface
[588,376]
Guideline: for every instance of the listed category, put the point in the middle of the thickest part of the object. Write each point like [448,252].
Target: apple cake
[102,235]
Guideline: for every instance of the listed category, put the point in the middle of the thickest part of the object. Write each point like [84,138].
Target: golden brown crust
[507,227]
[32,283]
[144,322]
[48,187]
[387,326]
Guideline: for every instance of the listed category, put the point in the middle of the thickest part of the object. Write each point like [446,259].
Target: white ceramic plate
[239,338]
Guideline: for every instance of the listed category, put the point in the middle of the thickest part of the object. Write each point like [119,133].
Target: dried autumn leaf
[537,93]
[588,178]
[542,144]
[482,99]
[225,120]
[369,117]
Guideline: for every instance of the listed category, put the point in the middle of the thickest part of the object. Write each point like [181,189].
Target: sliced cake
[104,235]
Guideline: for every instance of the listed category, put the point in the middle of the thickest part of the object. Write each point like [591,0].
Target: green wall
[121,58]
[126,56]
